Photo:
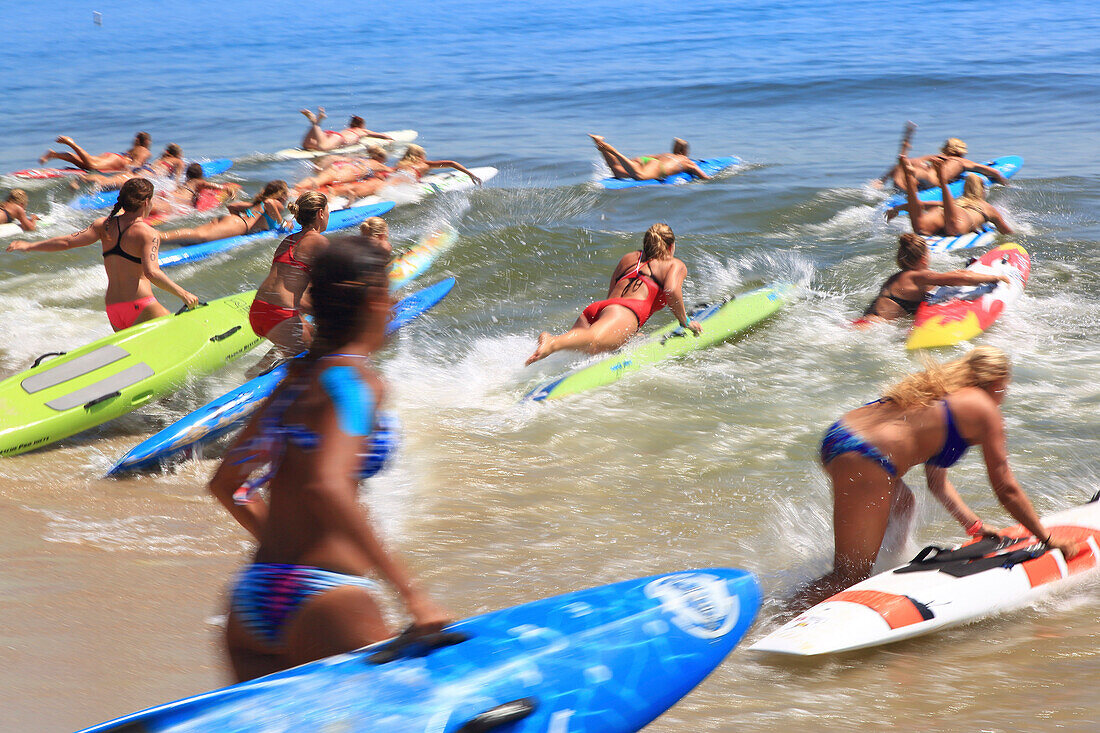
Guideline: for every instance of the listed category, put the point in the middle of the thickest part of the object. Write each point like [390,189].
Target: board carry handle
[414,644]
[102,398]
[509,712]
[704,305]
[223,336]
[679,332]
[48,353]
[183,308]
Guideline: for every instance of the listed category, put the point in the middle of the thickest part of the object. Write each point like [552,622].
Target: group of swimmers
[304,596]
[131,245]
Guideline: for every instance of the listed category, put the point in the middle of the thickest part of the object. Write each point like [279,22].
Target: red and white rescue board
[42,173]
[951,314]
[943,588]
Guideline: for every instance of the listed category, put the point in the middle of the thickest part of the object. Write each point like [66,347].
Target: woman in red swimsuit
[371,167]
[642,283]
[129,256]
[135,157]
[276,313]
[322,140]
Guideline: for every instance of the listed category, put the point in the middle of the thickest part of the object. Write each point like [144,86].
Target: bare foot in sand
[542,350]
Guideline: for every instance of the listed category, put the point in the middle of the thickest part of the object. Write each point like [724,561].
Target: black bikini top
[117,249]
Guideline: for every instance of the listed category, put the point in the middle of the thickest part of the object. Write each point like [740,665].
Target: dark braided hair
[343,277]
[132,195]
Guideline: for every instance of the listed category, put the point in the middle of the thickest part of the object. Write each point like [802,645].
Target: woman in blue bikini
[265,212]
[304,596]
[930,417]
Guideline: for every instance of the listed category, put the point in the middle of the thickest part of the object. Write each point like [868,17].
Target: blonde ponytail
[657,242]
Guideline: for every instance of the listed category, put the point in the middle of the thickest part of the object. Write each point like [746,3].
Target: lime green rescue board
[720,322]
[119,373]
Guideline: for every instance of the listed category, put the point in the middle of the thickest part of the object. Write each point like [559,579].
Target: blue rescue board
[1006,166]
[107,199]
[710,166]
[985,236]
[227,412]
[342,219]
[607,659]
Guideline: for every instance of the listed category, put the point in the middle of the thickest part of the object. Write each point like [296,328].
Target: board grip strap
[48,353]
[509,712]
[223,336]
[102,398]
[411,644]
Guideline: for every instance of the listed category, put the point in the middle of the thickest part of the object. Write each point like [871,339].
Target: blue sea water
[706,461]
[823,87]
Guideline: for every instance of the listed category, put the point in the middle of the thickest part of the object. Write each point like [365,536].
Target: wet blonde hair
[953,146]
[374,227]
[308,207]
[18,196]
[413,154]
[973,190]
[912,248]
[981,367]
[657,242]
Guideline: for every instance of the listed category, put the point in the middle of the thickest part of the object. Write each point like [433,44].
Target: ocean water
[113,589]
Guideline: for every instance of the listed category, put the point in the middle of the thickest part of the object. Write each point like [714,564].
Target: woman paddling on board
[169,165]
[377,231]
[967,214]
[345,170]
[642,283]
[931,417]
[649,167]
[129,256]
[903,292]
[135,157]
[14,210]
[263,213]
[189,193]
[318,139]
[278,311]
[304,596]
[955,165]
[414,164]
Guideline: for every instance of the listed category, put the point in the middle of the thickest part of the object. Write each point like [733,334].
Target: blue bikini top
[353,400]
[953,445]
